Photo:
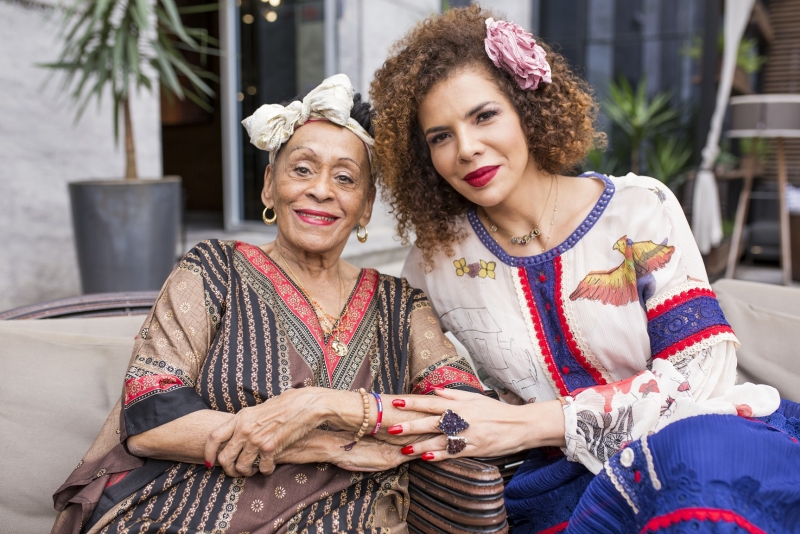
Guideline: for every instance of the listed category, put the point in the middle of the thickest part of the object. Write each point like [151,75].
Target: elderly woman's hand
[495,428]
[264,431]
[322,446]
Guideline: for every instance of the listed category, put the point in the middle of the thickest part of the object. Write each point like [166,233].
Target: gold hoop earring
[269,221]
[362,238]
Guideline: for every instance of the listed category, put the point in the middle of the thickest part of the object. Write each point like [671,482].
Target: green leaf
[175,18]
[165,70]
[204,8]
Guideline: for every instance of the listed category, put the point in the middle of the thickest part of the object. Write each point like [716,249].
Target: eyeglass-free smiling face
[320,187]
[475,137]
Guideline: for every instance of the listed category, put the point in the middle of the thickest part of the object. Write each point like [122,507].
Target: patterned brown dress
[230,330]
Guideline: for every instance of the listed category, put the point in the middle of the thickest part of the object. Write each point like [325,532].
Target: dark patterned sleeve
[433,360]
[174,341]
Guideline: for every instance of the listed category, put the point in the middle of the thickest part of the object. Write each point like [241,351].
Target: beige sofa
[61,377]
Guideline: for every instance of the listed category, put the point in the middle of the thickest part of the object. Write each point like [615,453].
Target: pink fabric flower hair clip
[514,50]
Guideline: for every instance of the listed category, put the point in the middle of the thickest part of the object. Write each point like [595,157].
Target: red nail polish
[398,403]
[208,465]
[408,449]
[428,456]
[396,429]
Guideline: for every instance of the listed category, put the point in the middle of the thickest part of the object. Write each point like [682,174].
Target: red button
[547,306]
[558,340]
[637,476]
[542,278]
[565,370]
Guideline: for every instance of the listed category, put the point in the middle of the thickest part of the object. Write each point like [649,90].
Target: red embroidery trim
[443,377]
[700,514]
[358,304]
[691,340]
[679,299]
[537,325]
[555,529]
[569,338]
[137,387]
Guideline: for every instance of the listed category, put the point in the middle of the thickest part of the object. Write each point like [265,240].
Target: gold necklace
[525,239]
[338,346]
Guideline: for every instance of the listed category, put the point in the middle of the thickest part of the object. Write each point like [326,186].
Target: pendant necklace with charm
[533,234]
[339,347]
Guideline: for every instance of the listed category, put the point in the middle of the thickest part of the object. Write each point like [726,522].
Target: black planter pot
[126,232]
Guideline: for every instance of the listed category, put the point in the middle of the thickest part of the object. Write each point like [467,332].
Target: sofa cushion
[57,391]
[127,326]
[766,319]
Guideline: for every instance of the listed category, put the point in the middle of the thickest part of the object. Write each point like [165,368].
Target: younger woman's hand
[495,428]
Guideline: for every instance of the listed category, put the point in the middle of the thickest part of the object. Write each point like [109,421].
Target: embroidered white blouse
[619,320]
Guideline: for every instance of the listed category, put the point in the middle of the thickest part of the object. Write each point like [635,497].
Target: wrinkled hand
[262,431]
[370,455]
[495,428]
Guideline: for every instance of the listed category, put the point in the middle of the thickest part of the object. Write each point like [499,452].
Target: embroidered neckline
[359,280]
[526,261]
[305,297]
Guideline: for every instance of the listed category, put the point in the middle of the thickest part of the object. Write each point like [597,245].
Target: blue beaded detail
[525,261]
[683,321]
[544,294]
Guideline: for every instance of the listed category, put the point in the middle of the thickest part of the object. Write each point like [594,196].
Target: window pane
[282,56]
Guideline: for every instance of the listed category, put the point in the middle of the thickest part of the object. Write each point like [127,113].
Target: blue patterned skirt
[710,473]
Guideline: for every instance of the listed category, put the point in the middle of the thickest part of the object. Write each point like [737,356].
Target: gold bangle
[365,424]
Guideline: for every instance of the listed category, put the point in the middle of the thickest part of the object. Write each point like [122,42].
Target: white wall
[519,11]
[367,29]
[41,150]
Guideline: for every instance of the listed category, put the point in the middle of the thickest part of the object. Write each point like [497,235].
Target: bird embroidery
[631,280]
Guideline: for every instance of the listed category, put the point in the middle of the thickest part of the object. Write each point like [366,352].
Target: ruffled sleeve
[174,341]
[692,369]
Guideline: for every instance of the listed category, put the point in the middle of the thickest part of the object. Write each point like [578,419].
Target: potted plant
[126,231]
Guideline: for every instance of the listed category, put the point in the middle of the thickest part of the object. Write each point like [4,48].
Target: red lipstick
[482,176]
[317,218]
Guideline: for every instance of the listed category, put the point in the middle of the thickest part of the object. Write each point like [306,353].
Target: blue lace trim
[717,475]
[524,261]
[684,321]
[576,376]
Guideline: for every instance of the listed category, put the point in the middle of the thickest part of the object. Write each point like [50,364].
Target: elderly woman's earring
[270,220]
[362,238]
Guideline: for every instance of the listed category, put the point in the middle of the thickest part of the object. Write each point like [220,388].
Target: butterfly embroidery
[479,269]
[631,280]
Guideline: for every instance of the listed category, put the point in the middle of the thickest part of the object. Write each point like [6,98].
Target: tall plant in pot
[126,230]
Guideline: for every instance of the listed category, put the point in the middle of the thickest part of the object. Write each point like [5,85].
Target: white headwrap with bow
[272,124]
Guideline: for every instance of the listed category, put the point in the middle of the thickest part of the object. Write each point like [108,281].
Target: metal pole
[331,38]
[786,242]
[231,129]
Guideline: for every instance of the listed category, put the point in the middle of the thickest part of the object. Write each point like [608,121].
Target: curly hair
[558,120]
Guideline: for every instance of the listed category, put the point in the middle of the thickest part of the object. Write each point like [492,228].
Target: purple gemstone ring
[451,423]
[455,444]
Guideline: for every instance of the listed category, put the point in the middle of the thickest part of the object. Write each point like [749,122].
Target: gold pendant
[339,348]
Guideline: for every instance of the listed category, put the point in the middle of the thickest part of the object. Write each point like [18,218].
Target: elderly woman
[276,366]
[581,299]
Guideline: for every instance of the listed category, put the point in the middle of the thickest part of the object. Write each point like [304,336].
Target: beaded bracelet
[364,424]
[380,414]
